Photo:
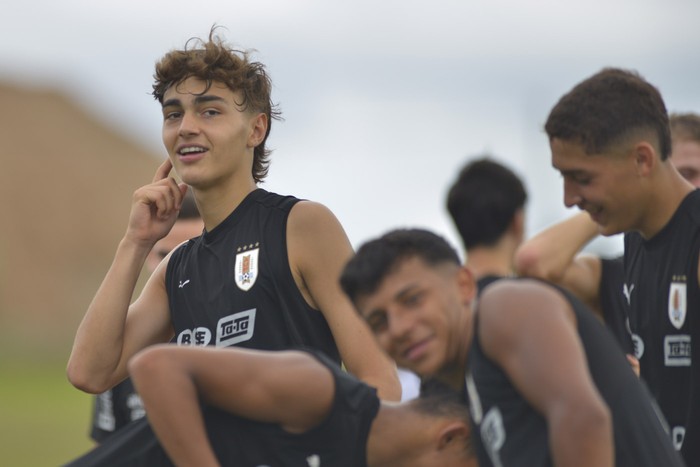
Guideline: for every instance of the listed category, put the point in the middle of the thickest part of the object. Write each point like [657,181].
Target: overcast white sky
[383,101]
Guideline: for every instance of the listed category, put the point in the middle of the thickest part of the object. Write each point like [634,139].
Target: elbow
[387,383]
[83,375]
[141,364]
[83,381]
[529,262]
[526,262]
[595,427]
[590,425]
[599,419]
[149,363]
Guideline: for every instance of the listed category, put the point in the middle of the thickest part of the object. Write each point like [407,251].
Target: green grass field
[43,419]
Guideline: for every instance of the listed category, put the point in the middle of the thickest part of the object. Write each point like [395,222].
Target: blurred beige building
[65,187]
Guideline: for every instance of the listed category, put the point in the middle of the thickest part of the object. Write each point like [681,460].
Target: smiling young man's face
[606,186]
[421,315]
[206,133]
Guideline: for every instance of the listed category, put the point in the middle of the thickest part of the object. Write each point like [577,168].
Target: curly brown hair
[214,61]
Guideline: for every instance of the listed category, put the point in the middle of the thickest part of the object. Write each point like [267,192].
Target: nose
[188,125]
[571,194]
[400,325]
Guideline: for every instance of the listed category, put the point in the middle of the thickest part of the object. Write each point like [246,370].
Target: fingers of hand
[163,170]
[163,196]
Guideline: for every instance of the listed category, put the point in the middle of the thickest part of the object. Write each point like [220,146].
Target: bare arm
[318,250]
[529,330]
[270,387]
[554,255]
[112,330]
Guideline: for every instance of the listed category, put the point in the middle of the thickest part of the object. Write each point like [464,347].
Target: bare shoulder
[313,225]
[318,249]
[309,214]
[507,296]
[509,306]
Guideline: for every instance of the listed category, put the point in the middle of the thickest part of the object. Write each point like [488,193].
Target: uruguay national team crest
[677,304]
[247,268]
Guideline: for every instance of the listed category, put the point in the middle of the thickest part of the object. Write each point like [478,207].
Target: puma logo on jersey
[627,290]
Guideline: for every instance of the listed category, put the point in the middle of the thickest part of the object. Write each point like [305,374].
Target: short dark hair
[606,108]
[376,258]
[685,126]
[213,60]
[438,399]
[483,201]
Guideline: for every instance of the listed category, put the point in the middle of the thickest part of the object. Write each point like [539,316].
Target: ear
[455,433]
[466,284]
[258,130]
[645,158]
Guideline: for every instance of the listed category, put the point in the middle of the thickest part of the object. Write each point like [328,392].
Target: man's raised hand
[155,207]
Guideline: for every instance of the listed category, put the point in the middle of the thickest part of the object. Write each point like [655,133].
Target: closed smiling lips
[415,350]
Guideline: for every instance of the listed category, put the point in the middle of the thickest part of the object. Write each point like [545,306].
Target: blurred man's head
[685,151]
[410,287]
[484,202]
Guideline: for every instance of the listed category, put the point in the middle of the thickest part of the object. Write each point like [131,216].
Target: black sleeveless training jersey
[485,281]
[339,441]
[234,286]
[115,408]
[508,431]
[613,303]
[612,299]
[662,286]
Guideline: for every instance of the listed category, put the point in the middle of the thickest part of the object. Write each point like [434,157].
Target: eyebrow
[197,100]
[575,173]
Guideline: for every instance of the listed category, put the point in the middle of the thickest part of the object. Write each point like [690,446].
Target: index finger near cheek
[163,170]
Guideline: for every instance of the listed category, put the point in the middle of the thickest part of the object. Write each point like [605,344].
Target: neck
[216,203]
[494,260]
[660,209]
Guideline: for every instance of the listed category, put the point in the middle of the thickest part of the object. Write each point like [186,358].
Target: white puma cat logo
[628,292]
